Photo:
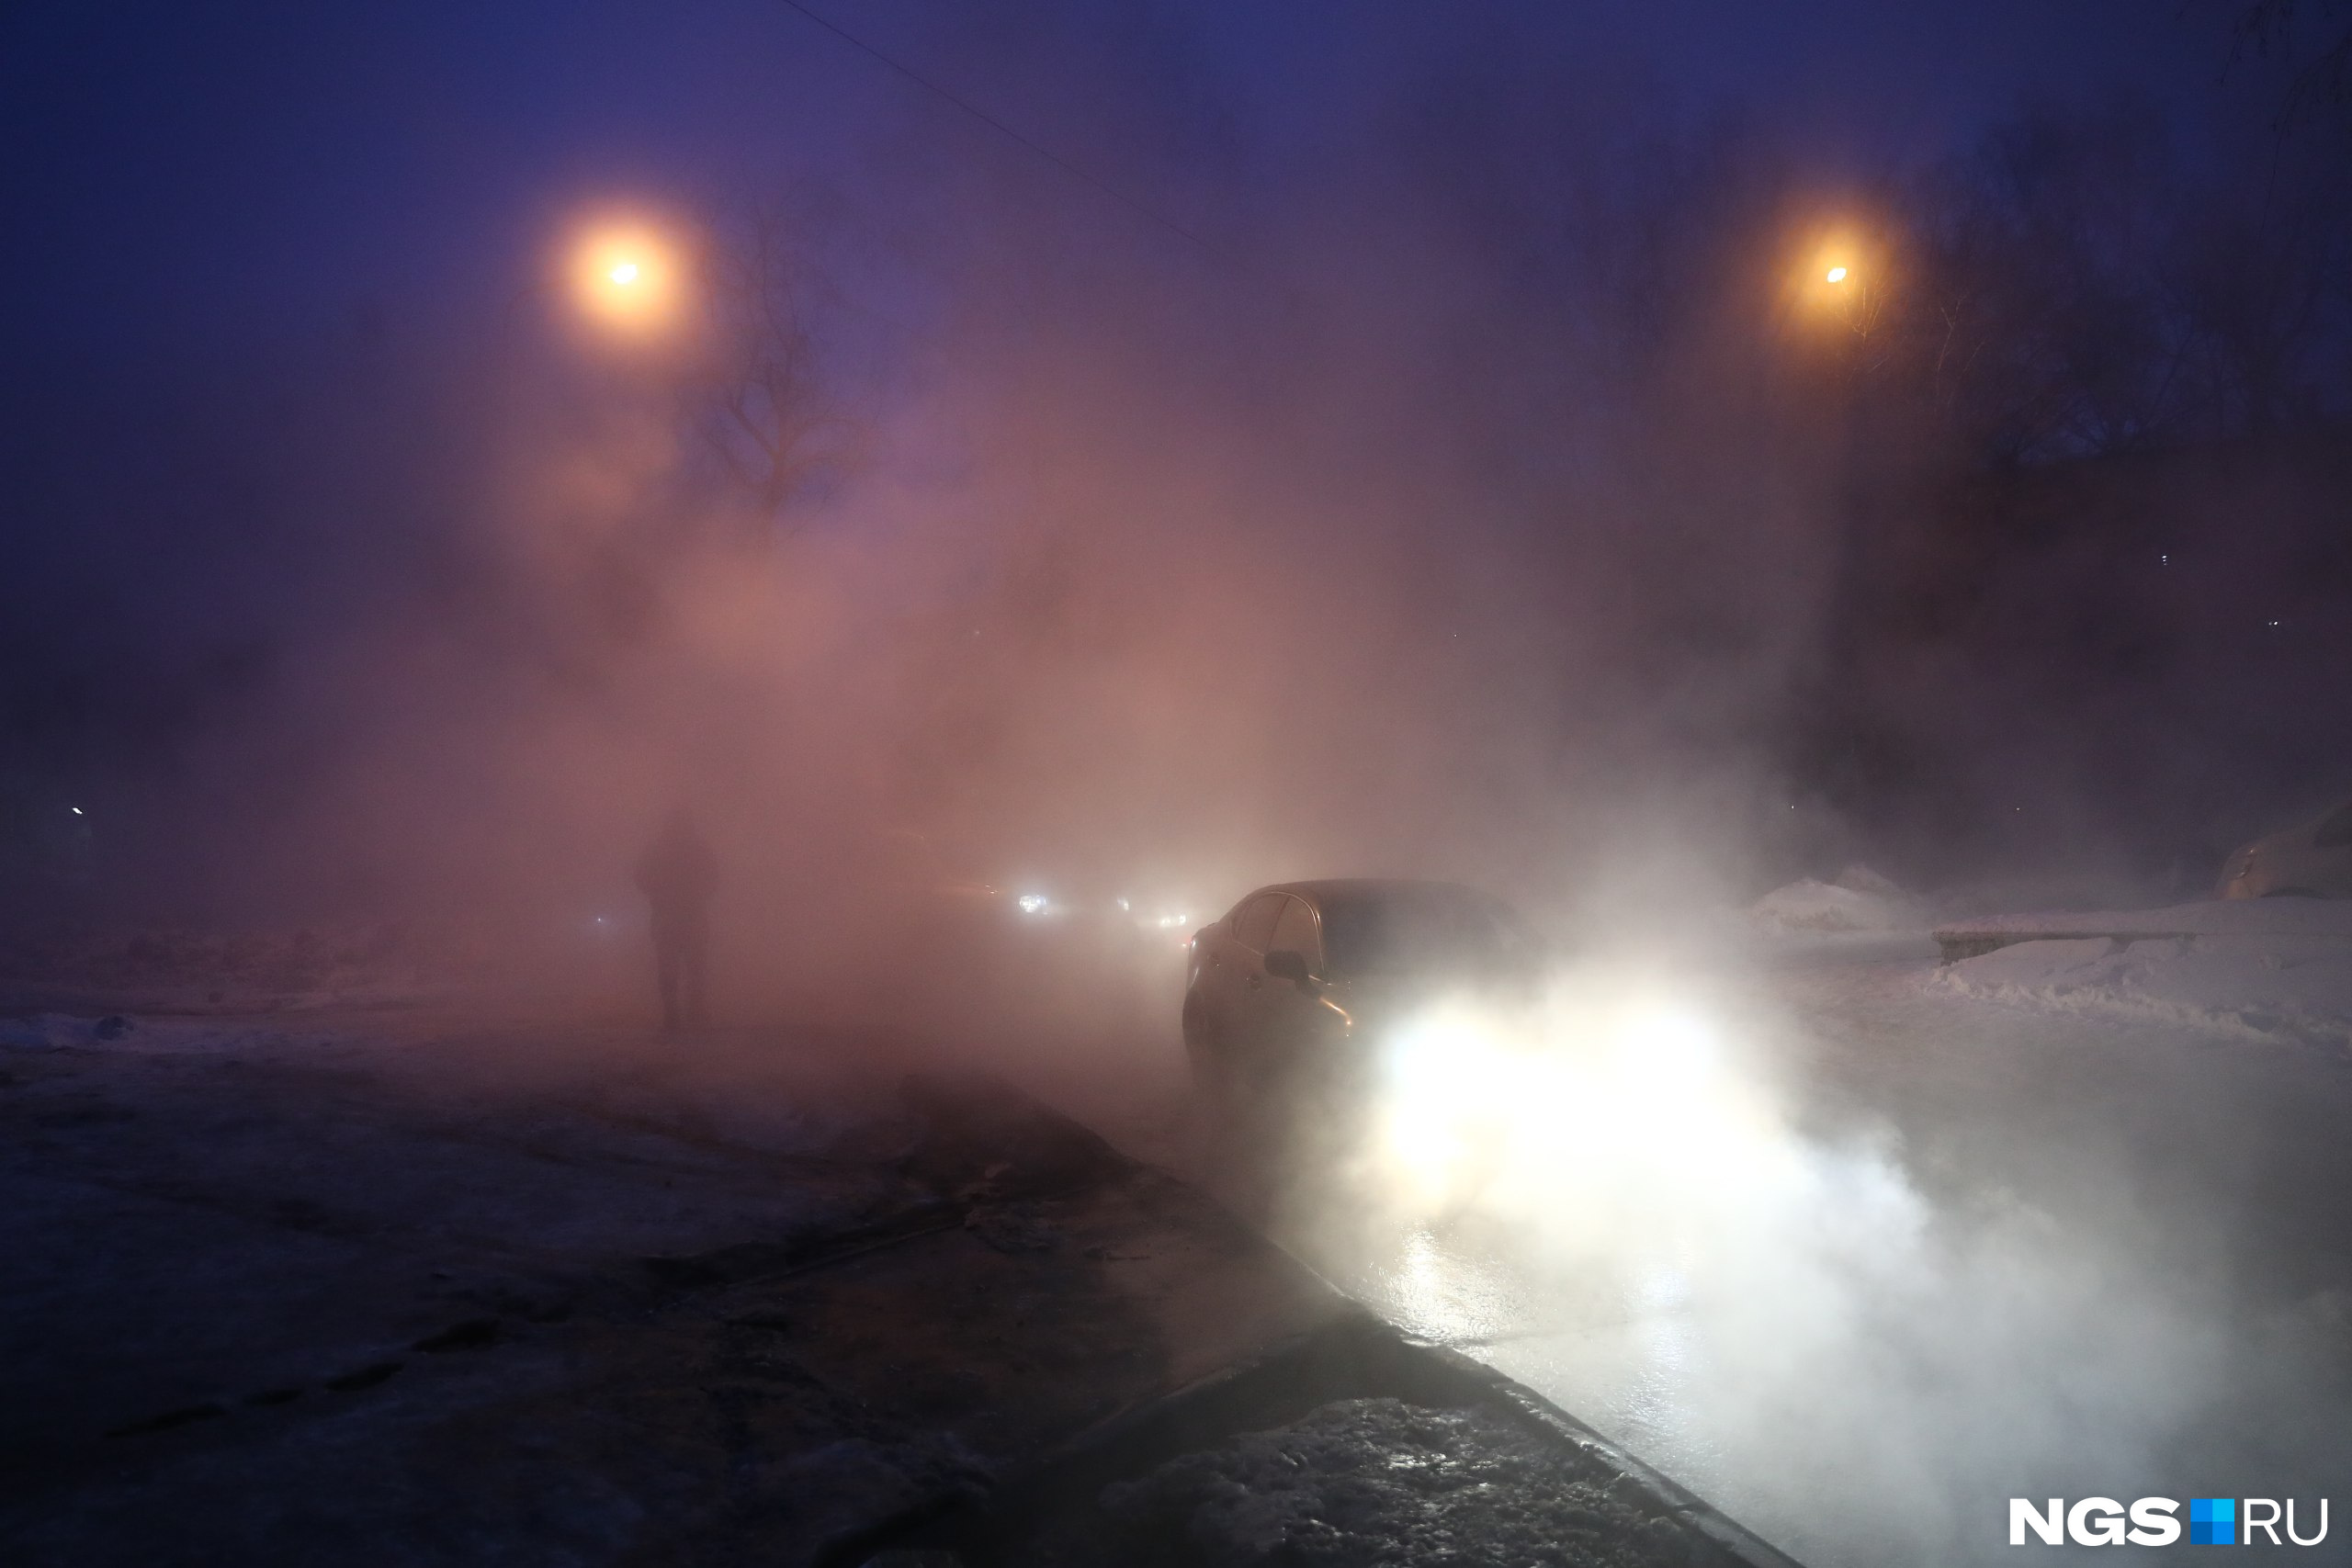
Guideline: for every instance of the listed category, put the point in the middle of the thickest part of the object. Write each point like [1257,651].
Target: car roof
[1319,888]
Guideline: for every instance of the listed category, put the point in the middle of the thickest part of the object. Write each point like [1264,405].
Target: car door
[1289,1011]
[1235,974]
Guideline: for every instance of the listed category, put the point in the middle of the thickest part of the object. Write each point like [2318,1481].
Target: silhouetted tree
[2073,288]
[2323,76]
[767,402]
[2041,318]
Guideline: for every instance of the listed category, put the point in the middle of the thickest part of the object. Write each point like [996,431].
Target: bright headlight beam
[1627,1099]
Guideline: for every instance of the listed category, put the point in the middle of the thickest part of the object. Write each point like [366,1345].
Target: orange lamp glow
[626,278]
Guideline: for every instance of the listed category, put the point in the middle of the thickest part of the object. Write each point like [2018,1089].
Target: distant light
[77,810]
[1837,275]
[1123,904]
[623,274]
[1032,903]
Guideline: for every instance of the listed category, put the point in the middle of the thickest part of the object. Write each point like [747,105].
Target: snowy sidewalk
[324,1298]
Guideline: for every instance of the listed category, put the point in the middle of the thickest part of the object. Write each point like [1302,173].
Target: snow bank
[1859,900]
[2212,917]
[2283,984]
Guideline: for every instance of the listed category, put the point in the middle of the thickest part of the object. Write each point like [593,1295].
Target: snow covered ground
[2283,988]
[173,970]
[398,1288]
[2274,970]
[1859,901]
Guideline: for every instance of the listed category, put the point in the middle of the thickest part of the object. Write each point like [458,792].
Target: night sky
[243,178]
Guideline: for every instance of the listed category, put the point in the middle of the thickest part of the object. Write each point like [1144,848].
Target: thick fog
[1446,470]
[1436,457]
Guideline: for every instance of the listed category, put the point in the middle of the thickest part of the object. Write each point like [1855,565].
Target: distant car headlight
[1033,903]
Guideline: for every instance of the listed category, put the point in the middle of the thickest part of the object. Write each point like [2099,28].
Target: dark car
[1299,981]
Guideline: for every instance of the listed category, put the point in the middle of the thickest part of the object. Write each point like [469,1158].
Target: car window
[2336,832]
[1253,924]
[1424,930]
[1295,931]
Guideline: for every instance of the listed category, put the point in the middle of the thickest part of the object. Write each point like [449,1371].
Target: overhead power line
[1064,164]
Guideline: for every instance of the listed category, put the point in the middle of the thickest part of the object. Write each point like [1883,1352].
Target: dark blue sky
[238,173]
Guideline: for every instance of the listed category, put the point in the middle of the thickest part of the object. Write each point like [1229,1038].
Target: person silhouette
[677,874]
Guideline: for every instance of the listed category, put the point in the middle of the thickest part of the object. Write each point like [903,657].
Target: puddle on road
[1451,1297]
[1628,1361]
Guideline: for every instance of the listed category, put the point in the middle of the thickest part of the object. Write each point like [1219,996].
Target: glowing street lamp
[1839,278]
[626,278]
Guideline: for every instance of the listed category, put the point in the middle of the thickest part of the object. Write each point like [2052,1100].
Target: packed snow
[2319,920]
[183,972]
[2270,969]
[1380,1480]
[1860,901]
[2284,987]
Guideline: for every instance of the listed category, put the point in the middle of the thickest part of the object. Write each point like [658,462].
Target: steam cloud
[1623,1200]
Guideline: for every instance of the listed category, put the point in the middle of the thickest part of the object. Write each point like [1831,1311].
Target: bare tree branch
[768,395]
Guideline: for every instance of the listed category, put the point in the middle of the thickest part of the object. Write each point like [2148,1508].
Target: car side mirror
[1287,963]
